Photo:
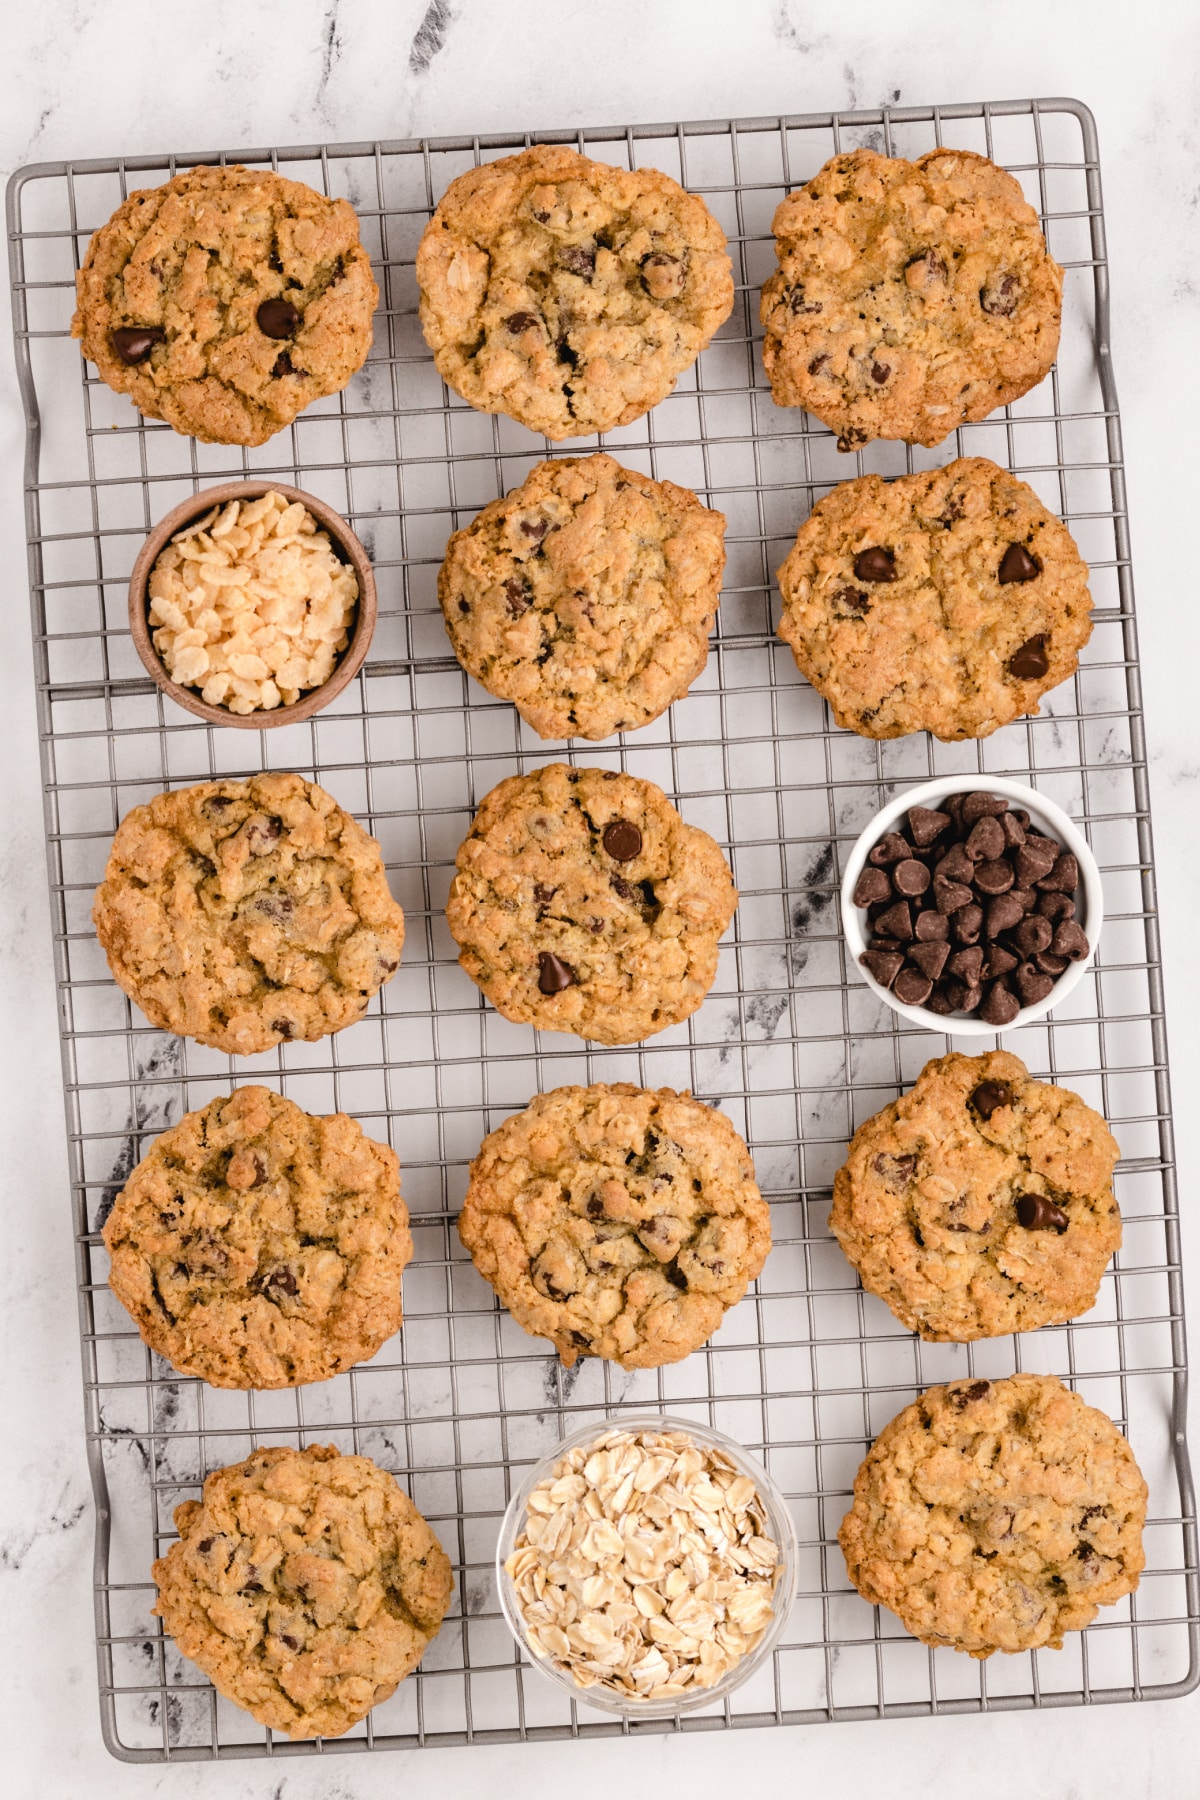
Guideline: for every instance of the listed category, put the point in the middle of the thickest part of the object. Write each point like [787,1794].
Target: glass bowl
[779,1526]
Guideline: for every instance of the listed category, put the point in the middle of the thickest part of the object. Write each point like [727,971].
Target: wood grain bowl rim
[347,665]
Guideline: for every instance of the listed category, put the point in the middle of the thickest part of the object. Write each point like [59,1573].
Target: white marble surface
[94,77]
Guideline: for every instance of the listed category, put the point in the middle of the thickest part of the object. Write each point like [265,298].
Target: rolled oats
[252,605]
[644,1565]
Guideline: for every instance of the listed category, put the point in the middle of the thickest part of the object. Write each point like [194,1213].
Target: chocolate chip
[896,922]
[518,322]
[1014,831]
[1030,661]
[967,923]
[956,865]
[912,987]
[133,343]
[871,887]
[925,825]
[999,962]
[1031,984]
[797,304]
[910,877]
[283,365]
[1070,941]
[989,1097]
[622,840]
[895,1169]
[993,877]
[535,529]
[1050,964]
[277,318]
[1033,859]
[205,1545]
[282,1280]
[1036,1213]
[978,1390]
[290,1642]
[999,295]
[891,848]
[284,1027]
[930,958]
[553,975]
[875,564]
[980,805]
[1000,1006]
[578,260]
[1017,565]
[1003,913]
[932,927]
[817,364]
[1032,934]
[986,840]
[949,896]
[518,596]
[962,997]
[939,1001]
[952,806]
[263,831]
[884,965]
[1063,878]
[1054,906]
[967,964]
[851,603]
[880,372]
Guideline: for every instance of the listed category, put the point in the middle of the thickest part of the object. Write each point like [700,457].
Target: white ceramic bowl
[780,1527]
[1049,819]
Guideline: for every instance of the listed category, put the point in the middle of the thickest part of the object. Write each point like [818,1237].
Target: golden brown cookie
[583,903]
[910,297]
[996,1515]
[568,293]
[259,1247]
[226,301]
[585,596]
[981,1202]
[305,1585]
[947,601]
[245,913]
[617,1221]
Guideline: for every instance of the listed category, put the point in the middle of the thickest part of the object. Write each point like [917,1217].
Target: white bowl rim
[1044,811]
[783,1528]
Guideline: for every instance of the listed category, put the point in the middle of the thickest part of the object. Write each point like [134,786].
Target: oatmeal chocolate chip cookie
[244,913]
[305,1585]
[617,1221]
[583,903]
[910,297]
[226,301]
[981,1202]
[585,596]
[258,1247]
[947,601]
[996,1515]
[567,293]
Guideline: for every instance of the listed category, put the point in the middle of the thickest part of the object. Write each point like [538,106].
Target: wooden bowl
[348,549]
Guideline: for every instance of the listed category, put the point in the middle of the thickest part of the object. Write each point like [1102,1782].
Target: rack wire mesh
[789,1042]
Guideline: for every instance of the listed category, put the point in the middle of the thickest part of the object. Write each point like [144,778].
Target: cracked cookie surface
[582,902]
[948,601]
[617,1221]
[567,293]
[245,913]
[996,1515]
[585,596]
[259,1247]
[911,297]
[972,1223]
[226,301]
[305,1585]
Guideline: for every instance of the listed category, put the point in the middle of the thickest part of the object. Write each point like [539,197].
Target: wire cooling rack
[790,1042]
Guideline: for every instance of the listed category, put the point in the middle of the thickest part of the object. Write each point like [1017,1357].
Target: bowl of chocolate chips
[971,908]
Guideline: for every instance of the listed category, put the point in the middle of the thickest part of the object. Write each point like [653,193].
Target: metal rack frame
[789,1042]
